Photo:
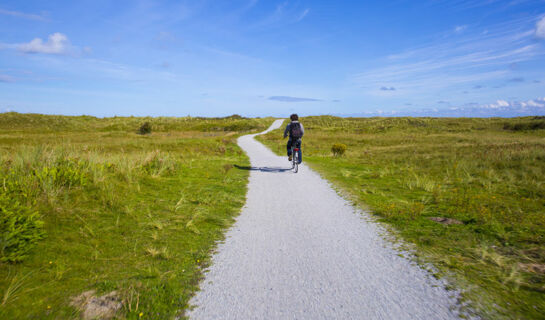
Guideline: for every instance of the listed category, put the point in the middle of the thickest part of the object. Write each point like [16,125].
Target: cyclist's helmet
[294,117]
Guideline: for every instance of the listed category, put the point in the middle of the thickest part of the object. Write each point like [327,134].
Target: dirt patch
[93,307]
[445,221]
[533,267]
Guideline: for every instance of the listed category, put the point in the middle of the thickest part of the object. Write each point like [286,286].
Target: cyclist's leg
[288,146]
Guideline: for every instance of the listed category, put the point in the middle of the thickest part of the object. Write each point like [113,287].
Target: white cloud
[540,28]
[57,43]
[538,103]
[459,29]
[534,103]
[502,103]
[500,108]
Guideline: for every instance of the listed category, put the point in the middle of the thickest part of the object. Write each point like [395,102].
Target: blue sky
[259,58]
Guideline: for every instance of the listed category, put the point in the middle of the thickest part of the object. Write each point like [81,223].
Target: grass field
[487,174]
[89,204]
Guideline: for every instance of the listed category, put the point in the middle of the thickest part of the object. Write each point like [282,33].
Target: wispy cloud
[6,78]
[540,28]
[102,70]
[229,54]
[516,79]
[303,15]
[460,29]
[461,5]
[387,88]
[18,14]
[165,36]
[283,14]
[455,61]
[57,43]
[292,99]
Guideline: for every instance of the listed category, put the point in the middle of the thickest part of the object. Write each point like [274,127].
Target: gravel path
[299,251]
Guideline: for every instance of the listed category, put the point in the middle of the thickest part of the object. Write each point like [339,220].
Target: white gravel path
[299,251]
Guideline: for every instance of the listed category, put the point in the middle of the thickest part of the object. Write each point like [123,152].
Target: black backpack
[295,130]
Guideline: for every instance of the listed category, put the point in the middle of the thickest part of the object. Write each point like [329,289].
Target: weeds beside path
[108,210]
[486,175]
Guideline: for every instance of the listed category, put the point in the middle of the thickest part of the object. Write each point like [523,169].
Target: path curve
[299,251]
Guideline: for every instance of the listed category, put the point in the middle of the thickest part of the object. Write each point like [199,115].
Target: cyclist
[295,131]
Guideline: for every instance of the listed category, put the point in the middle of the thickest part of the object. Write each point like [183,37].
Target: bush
[145,128]
[65,173]
[528,125]
[20,229]
[338,149]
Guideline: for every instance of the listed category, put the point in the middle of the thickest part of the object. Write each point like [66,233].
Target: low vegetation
[145,128]
[468,193]
[525,124]
[89,205]
[338,149]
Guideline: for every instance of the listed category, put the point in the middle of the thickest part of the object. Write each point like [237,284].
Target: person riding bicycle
[295,131]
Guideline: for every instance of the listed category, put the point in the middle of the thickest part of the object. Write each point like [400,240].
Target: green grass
[103,208]
[487,173]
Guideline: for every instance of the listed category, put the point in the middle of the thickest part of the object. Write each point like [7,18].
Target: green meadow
[90,204]
[485,175]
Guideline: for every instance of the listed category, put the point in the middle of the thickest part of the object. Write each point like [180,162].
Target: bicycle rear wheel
[292,159]
[295,164]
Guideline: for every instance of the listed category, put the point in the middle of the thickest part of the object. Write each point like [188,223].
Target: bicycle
[296,156]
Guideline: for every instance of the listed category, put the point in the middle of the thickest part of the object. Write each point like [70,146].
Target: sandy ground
[300,251]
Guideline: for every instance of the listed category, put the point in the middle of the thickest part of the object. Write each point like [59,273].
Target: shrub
[65,173]
[145,128]
[20,229]
[338,149]
[528,125]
